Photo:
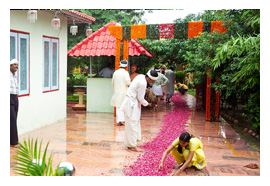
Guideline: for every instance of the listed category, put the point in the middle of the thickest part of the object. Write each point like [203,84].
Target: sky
[167,16]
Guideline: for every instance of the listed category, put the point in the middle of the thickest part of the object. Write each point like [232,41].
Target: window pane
[23,64]
[54,65]
[46,64]
[12,48]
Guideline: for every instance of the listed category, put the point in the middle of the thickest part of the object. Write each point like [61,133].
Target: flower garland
[126,32]
[125,51]
[116,31]
[152,31]
[218,26]
[137,31]
[166,31]
[117,53]
[194,29]
[207,26]
[181,30]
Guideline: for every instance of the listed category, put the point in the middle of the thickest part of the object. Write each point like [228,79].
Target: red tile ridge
[82,14]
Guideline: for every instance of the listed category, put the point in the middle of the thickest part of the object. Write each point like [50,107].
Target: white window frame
[50,88]
[56,87]
[18,35]
[24,36]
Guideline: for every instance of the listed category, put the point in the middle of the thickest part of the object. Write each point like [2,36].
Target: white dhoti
[132,132]
[132,112]
[157,90]
[119,115]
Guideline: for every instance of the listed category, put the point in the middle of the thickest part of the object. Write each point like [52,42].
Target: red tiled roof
[77,16]
[101,43]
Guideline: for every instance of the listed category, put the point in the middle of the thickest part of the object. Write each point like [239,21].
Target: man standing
[170,85]
[14,103]
[133,72]
[120,83]
[107,72]
[132,108]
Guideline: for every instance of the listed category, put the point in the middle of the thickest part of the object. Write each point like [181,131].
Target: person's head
[172,68]
[163,67]
[133,68]
[151,76]
[123,64]
[14,65]
[184,139]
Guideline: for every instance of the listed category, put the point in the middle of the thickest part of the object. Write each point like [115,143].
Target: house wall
[41,109]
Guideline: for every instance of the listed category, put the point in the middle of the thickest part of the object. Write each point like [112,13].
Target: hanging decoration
[218,27]
[194,29]
[207,26]
[89,31]
[181,30]
[117,53]
[32,16]
[152,31]
[166,31]
[116,31]
[125,51]
[126,32]
[74,29]
[137,31]
[55,22]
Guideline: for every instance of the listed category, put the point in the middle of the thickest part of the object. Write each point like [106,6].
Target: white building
[42,54]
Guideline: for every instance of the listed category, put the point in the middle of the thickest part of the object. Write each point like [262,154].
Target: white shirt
[135,98]
[14,89]
[120,83]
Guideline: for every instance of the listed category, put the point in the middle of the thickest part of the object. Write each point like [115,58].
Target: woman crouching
[186,150]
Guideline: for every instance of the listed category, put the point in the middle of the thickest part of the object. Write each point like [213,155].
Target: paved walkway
[93,142]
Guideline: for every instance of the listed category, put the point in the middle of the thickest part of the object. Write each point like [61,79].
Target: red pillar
[217,103]
[208,96]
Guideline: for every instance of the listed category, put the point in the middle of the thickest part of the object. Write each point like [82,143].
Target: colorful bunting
[137,31]
[166,31]
[218,26]
[194,29]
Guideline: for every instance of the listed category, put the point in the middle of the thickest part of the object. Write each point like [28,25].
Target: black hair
[185,136]
[172,68]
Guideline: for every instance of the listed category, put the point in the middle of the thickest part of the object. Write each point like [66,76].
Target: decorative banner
[181,30]
[194,29]
[152,31]
[125,51]
[116,31]
[218,26]
[126,32]
[207,26]
[137,31]
[166,31]
[117,53]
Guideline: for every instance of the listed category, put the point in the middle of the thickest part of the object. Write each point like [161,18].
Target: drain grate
[97,144]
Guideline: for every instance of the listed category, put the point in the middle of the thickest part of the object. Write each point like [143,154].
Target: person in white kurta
[132,108]
[120,83]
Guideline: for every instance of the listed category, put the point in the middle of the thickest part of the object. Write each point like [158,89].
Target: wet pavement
[93,143]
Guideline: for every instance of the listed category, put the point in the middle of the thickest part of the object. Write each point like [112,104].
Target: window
[19,49]
[50,64]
